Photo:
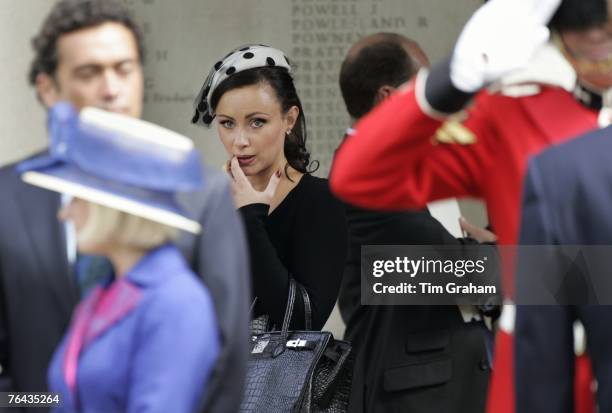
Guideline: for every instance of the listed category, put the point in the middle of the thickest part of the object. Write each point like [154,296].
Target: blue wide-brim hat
[119,162]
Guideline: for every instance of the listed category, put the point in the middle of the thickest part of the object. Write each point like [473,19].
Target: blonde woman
[145,339]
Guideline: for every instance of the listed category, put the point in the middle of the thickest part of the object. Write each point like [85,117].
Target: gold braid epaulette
[453,132]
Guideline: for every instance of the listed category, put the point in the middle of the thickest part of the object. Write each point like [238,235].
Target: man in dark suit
[566,200]
[408,358]
[89,53]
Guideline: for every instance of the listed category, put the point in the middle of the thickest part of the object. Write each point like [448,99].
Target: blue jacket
[150,346]
[567,200]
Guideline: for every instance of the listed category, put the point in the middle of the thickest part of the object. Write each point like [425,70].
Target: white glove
[499,38]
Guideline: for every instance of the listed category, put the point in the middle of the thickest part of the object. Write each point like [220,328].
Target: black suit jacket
[567,199]
[36,283]
[38,291]
[408,358]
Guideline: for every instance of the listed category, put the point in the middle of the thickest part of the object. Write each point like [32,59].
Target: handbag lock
[296,343]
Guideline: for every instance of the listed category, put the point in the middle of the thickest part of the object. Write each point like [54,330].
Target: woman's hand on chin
[242,190]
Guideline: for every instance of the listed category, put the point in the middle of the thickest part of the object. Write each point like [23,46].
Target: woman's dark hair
[281,82]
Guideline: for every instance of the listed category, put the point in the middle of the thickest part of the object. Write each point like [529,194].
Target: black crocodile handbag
[297,371]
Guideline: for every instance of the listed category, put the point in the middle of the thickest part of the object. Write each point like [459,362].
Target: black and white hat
[240,59]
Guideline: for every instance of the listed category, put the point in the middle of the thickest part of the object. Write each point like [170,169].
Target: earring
[288,132]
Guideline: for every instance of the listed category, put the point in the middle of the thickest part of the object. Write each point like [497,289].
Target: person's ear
[383,93]
[291,117]
[47,90]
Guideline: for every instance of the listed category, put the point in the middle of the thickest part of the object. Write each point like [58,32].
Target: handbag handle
[307,307]
[293,285]
[288,311]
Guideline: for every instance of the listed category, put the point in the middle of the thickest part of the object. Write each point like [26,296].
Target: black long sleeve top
[305,237]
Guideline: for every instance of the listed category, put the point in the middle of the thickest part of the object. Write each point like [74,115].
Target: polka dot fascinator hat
[119,162]
[239,60]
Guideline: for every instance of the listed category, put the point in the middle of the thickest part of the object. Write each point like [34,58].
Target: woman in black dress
[294,225]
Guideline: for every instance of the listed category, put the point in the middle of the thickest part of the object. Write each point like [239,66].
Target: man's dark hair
[71,15]
[580,14]
[384,62]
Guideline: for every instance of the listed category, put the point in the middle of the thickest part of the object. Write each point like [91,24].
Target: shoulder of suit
[586,149]
[215,177]
[561,163]
[216,189]
[9,167]
[8,171]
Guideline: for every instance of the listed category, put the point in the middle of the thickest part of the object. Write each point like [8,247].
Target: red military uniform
[404,164]
[401,157]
